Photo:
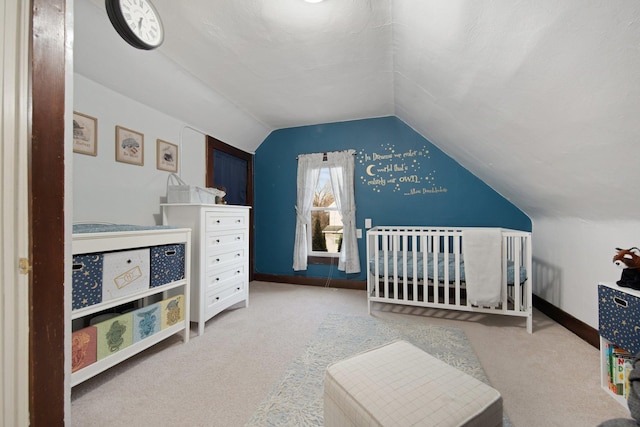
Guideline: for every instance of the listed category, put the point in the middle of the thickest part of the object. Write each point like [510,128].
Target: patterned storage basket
[167,264]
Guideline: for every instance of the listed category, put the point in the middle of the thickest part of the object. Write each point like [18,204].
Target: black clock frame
[114,11]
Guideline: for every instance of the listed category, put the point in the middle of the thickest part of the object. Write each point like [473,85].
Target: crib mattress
[400,385]
[420,267]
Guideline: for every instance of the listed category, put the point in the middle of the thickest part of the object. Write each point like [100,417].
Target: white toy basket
[179,191]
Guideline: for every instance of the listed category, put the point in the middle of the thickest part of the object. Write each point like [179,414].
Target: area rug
[297,398]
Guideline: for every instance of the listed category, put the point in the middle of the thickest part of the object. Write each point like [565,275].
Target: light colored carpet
[297,399]
[550,378]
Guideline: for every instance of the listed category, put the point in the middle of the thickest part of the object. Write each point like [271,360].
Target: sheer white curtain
[342,171]
[341,166]
[308,172]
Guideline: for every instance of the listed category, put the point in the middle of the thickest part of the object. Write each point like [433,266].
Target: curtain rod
[325,153]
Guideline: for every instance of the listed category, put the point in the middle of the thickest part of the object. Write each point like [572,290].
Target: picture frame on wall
[85,134]
[129,146]
[166,156]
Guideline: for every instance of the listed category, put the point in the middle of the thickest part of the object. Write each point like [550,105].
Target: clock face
[137,21]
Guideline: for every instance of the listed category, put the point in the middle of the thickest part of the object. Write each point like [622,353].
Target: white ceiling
[540,98]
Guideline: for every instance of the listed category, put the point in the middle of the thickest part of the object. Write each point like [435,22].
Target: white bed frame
[399,248]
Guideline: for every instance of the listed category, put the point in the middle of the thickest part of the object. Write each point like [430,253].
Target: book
[618,361]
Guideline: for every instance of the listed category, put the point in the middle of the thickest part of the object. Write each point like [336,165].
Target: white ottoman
[400,385]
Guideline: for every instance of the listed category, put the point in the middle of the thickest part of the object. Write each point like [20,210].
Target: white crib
[424,267]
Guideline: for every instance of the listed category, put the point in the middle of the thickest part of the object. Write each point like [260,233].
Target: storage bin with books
[619,329]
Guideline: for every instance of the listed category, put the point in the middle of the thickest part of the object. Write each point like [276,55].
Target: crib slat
[415,239]
[395,266]
[456,250]
[445,266]
[517,301]
[376,264]
[504,297]
[385,248]
[436,279]
[405,249]
[425,267]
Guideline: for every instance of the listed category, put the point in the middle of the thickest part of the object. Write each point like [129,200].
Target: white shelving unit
[619,318]
[100,242]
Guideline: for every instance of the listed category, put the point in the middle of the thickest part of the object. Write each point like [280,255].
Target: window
[325,210]
[325,234]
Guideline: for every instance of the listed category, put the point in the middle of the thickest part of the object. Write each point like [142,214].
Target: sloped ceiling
[539,99]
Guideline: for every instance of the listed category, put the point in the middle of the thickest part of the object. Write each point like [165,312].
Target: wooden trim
[46,169]
[360,285]
[322,260]
[581,329]
[215,144]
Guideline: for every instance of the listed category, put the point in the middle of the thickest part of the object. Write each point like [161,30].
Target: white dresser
[219,256]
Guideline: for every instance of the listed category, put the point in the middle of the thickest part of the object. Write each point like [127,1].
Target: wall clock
[137,22]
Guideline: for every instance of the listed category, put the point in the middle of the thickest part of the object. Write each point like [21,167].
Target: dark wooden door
[232,169]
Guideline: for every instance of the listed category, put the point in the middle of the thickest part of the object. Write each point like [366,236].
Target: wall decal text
[402,172]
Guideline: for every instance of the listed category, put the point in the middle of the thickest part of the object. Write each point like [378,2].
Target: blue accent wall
[400,179]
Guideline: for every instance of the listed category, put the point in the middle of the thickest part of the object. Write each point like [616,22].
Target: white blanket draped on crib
[482,249]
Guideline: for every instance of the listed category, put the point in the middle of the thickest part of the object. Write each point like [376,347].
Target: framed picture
[167,156]
[129,146]
[85,134]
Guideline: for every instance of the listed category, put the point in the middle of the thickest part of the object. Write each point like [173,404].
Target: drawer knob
[238,255]
[217,279]
[238,272]
[217,240]
[238,221]
[218,221]
[238,238]
[217,259]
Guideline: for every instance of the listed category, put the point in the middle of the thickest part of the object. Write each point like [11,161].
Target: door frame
[214,144]
[15,16]
[48,394]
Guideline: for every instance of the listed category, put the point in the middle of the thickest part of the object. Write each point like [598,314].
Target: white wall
[108,191]
[572,255]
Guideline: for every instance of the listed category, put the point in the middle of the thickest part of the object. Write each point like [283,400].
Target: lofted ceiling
[540,98]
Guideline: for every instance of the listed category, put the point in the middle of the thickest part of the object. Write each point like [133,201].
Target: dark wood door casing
[214,144]
[46,214]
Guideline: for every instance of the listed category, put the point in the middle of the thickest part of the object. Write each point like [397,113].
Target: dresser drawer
[219,277]
[223,293]
[218,239]
[215,260]
[225,220]
[619,318]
